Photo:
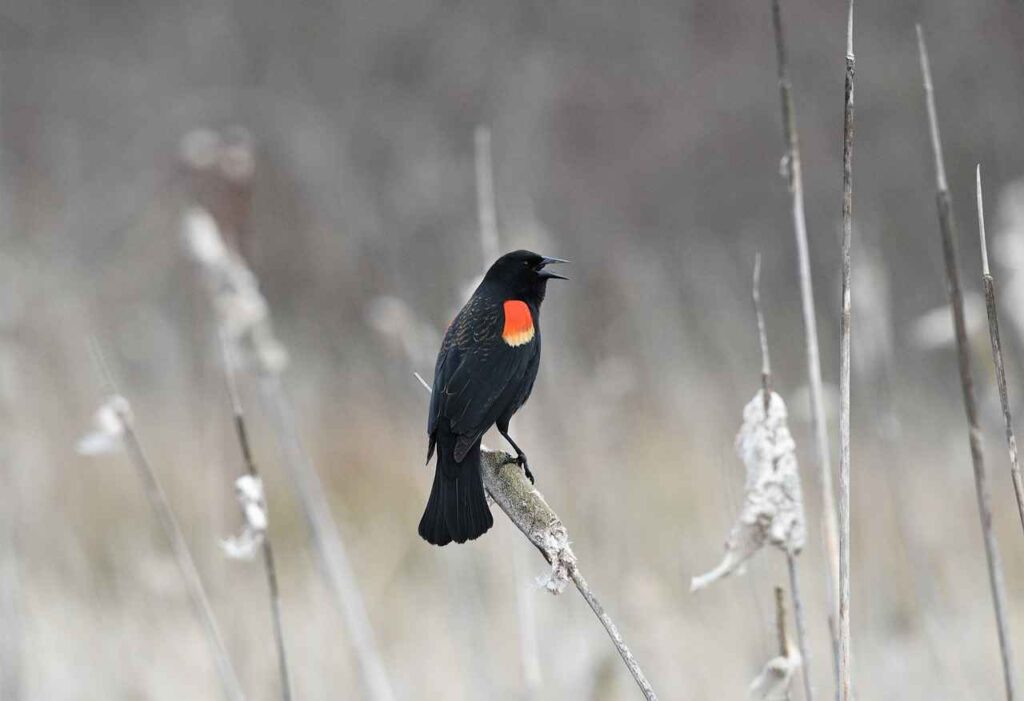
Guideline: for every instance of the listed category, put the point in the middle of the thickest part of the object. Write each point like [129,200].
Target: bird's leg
[520,458]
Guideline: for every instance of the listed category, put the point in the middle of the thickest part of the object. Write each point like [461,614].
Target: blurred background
[333,140]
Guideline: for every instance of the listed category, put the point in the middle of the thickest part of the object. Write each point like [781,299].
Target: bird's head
[523,275]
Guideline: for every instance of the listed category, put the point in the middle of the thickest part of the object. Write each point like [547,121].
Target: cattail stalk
[334,561]
[486,211]
[526,507]
[780,627]
[794,581]
[997,357]
[794,175]
[846,320]
[269,567]
[947,229]
[244,318]
[161,506]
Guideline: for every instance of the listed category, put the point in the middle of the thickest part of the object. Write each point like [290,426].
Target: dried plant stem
[845,328]
[823,454]
[801,629]
[485,195]
[165,516]
[762,335]
[524,505]
[268,552]
[947,228]
[162,508]
[326,537]
[780,628]
[794,584]
[997,357]
[780,622]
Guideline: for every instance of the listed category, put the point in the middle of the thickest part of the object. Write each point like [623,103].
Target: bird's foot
[522,462]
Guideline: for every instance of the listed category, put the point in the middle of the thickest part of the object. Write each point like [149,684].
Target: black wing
[478,377]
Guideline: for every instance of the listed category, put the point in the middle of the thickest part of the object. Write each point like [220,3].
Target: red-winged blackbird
[485,371]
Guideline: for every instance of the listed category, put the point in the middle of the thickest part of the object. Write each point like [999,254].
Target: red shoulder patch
[518,328]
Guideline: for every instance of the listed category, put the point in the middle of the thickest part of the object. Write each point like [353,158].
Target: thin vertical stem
[846,322]
[766,390]
[268,552]
[801,630]
[795,181]
[947,229]
[997,357]
[780,630]
[186,565]
[162,508]
[780,622]
[485,195]
[333,556]
[762,336]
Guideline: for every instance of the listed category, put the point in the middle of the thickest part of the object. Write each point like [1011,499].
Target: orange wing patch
[518,323]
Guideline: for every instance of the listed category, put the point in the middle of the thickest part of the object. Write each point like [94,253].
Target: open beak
[547,274]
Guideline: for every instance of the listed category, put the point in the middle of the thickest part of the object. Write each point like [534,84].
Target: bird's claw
[521,461]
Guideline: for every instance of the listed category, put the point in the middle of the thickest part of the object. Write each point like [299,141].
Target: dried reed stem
[794,584]
[780,628]
[801,630]
[526,507]
[244,318]
[485,195]
[794,175]
[186,565]
[997,357]
[846,321]
[268,553]
[326,536]
[947,228]
[762,335]
[780,621]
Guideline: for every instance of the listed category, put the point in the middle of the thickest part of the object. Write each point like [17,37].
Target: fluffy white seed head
[110,421]
[773,509]
[244,546]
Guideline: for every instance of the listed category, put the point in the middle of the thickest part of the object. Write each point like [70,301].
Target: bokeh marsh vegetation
[640,141]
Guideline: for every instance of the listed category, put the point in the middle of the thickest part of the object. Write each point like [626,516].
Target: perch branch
[845,329]
[527,509]
[947,229]
[997,357]
[793,172]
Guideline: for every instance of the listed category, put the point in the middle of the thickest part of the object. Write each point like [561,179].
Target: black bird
[485,371]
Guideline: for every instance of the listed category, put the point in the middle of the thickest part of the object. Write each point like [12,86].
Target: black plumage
[484,373]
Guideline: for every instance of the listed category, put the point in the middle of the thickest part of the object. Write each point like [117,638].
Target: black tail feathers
[457,509]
